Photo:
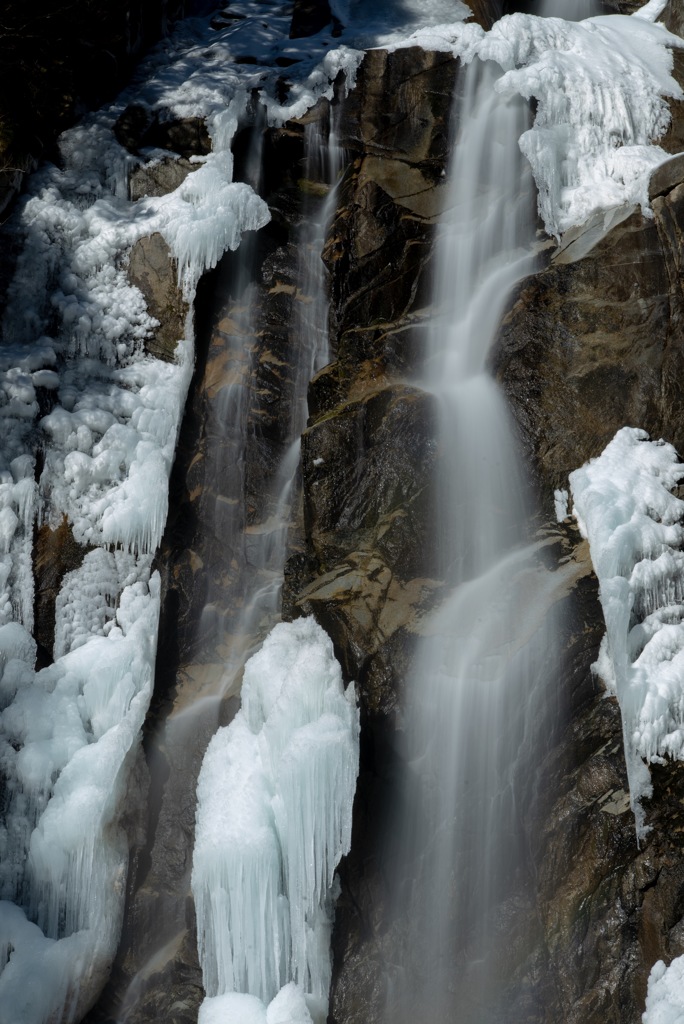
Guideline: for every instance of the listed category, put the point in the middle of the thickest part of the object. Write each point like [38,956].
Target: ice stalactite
[617,67]
[275,796]
[624,505]
[69,733]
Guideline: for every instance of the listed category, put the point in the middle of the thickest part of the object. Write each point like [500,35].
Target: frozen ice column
[625,507]
[274,814]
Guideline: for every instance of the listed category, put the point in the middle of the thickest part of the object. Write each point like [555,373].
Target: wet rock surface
[369,462]
[590,346]
[587,346]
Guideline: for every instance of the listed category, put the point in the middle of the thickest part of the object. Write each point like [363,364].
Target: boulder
[137,128]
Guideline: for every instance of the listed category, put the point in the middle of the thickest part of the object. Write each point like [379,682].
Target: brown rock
[158,179]
[414,127]
[367,479]
[55,553]
[152,269]
[137,128]
[590,346]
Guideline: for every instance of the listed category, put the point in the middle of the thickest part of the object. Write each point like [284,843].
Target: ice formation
[274,809]
[600,87]
[624,505]
[665,996]
[73,348]
[68,734]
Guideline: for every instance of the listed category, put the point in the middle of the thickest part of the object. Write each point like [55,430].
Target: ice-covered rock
[68,737]
[665,997]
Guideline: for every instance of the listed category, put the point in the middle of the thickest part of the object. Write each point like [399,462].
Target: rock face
[590,343]
[595,344]
[153,271]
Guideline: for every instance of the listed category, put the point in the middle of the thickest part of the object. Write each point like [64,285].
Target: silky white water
[473,703]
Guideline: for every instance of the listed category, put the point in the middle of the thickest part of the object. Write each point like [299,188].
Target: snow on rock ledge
[624,507]
[274,811]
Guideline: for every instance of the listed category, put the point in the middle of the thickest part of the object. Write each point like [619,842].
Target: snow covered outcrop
[601,87]
[274,806]
[624,506]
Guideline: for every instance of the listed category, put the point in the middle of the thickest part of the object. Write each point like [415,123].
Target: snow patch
[601,87]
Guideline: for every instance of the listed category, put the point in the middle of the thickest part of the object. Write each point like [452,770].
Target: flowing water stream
[474,699]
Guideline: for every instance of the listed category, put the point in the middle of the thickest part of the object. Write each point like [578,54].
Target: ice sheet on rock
[274,807]
[665,996]
[560,504]
[624,506]
[88,598]
[600,87]
[68,736]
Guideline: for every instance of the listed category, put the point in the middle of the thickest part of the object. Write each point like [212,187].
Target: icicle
[273,820]
[624,507]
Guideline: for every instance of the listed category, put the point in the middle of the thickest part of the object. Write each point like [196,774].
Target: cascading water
[473,698]
[569,10]
[245,570]
[77,347]
[324,163]
[262,871]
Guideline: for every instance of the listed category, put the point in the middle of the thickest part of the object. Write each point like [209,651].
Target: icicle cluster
[600,87]
[273,820]
[624,506]
[66,738]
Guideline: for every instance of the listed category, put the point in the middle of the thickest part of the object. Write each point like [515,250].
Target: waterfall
[243,548]
[474,700]
[263,867]
[569,10]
